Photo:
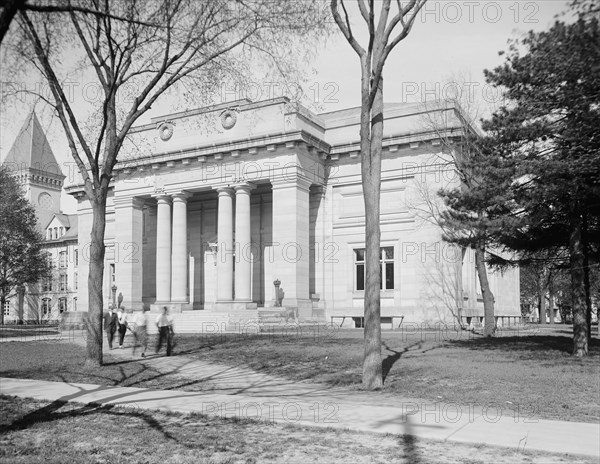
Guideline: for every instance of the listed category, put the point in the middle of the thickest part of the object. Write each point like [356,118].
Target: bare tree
[454,121]
[136,51]
[384,32]
[10,9]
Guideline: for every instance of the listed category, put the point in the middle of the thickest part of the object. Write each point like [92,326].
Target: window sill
[383,293]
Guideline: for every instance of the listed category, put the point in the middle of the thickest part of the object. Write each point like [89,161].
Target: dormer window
[62,231]
[55,235]
[49,234]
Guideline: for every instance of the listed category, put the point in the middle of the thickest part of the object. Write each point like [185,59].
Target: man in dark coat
[110,325]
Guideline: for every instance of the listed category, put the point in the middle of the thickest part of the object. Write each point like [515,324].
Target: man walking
[110,325]
[122,325]
[164,322]
[140,332]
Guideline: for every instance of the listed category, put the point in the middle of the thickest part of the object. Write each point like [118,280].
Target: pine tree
[549,128]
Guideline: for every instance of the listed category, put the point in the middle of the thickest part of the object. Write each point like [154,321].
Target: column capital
[319,190]
[244,187]
[163,198]
[181,196]
[224,191]
[123,202]
[291,181]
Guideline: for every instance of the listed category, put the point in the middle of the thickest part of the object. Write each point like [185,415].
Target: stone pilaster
[128,250]
[319,249]
[291,240]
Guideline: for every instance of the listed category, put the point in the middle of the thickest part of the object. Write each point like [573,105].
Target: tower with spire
[32,162]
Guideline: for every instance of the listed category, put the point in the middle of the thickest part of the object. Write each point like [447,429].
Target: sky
[450,45]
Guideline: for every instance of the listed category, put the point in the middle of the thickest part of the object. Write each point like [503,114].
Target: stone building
[210,207]
[33,163]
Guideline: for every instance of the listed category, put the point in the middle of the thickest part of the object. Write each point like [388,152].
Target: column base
[226,306]
[302,307]
[174,307]
[132,305]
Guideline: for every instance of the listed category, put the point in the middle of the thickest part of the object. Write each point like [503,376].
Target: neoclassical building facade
[209,208]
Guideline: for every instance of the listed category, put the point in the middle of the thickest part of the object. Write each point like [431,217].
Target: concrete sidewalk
[423,420]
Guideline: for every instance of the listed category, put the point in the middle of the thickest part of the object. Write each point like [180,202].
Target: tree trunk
[488,298]
[542,301]
[2,303]
[21,304]
[551,308]
[586,277]
[580,326]
[371,140]
[96,273]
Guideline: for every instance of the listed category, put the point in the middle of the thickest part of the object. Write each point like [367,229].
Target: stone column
[163,249]
[243,257]
[179,254]
[128,250]
[225,245]
[291,240]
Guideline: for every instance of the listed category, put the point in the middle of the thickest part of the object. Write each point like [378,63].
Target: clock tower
[32,162]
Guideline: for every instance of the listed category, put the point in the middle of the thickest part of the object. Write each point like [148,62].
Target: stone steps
[206,321]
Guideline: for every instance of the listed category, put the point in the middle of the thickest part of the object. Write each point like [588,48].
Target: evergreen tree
[22,259]
[549,129]
[478,209]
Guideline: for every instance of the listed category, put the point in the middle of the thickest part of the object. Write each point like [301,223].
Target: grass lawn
[533,371]
[43,331]
[533,374]
[63,362]
[41,432]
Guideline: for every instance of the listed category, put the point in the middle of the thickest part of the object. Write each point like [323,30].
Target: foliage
[22,258]
[477,206]
[548,132]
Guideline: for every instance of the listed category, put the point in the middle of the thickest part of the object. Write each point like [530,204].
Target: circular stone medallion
[165,131]
[228,119]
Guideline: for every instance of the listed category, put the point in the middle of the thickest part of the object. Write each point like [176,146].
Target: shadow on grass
[51,412]
[531,343]
[389,362]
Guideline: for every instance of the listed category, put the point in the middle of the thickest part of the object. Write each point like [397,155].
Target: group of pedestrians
[117,321]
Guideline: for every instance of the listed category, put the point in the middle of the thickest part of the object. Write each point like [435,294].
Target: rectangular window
[76,257]
[359,264]
[386,268]
[6,308]
[47,284]
[76,284]
[112,274]
[63,282]
[62,259]
[50,260]
[62,305]
[45,306]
